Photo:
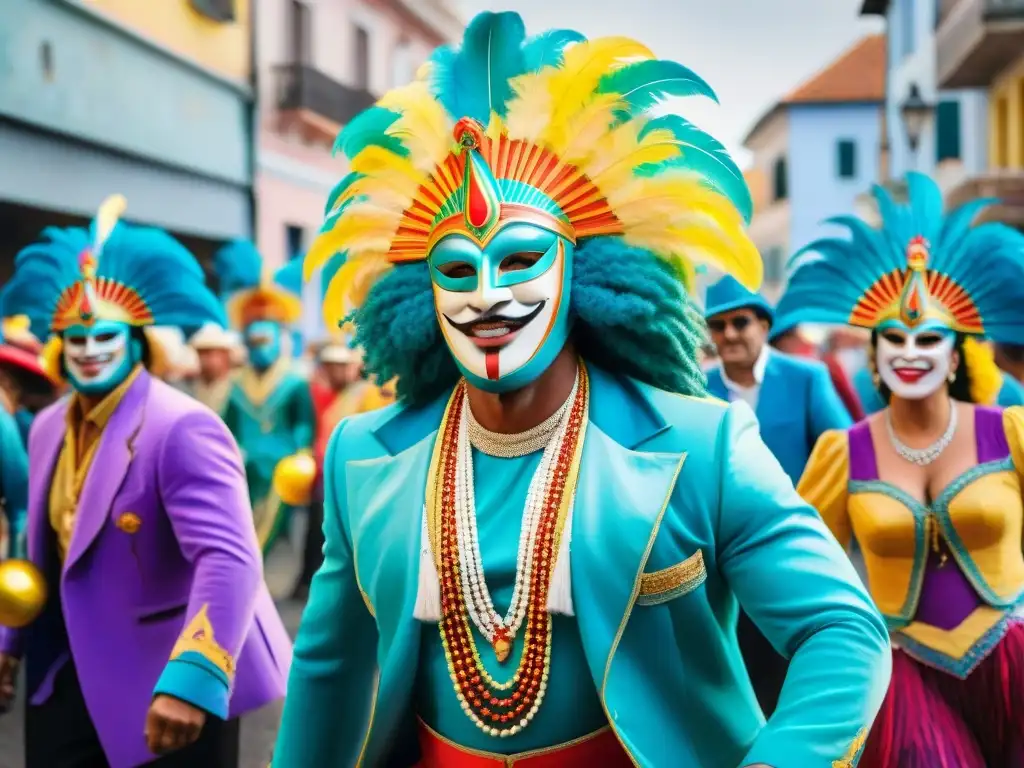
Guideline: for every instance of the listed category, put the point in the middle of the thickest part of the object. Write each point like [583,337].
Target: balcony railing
[300,87]
[976,40]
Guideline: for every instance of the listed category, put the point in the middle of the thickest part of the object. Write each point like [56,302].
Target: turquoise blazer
[1011,393]
[665,480]
[796,404]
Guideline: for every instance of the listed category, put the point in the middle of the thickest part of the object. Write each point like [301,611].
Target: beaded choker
[503,708]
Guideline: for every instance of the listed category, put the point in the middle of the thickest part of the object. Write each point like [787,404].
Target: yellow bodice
[980,516]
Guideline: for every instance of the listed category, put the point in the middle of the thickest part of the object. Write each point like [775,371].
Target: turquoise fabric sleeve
[870,400]
[1011,393]
[796,583]
[327,707]
[195,680]
[13,482]
[826,409]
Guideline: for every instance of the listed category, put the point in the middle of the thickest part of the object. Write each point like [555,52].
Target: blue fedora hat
[727,295]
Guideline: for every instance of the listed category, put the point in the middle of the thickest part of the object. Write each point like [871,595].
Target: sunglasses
[739,324]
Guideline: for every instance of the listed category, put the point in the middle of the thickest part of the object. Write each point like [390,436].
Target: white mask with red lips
[914,364]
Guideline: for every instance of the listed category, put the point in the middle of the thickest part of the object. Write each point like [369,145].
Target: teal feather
[339,190]
[475,81]
[289,277]
[646,84]
[986,261]
[328,271]
[369,129]
[704,155]
[238,265]
[548,48]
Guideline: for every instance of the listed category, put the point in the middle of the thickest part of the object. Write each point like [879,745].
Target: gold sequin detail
[676,579]
[851,753]
[129,522]
[198,637]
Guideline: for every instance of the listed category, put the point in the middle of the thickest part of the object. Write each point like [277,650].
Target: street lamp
[916,113]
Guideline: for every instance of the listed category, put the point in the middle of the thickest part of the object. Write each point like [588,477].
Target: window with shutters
[947,131]
[780,182]
[361,50]
[774,265]
[846,159]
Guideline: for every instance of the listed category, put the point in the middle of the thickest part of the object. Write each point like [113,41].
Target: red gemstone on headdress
[913,301]
[478,209]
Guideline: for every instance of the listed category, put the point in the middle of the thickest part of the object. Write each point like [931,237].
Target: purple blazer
[164,530]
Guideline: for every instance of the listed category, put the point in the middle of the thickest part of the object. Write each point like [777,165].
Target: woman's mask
[100,356]
[503,309]
[914,364]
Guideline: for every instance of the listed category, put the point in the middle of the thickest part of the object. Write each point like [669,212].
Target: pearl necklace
[922,457]
[501,631]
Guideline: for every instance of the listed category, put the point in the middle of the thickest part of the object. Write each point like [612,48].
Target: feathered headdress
[113,271]
[919,266]
[555,130]
[251,291]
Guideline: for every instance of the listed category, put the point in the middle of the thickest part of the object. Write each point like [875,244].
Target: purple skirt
[931,719]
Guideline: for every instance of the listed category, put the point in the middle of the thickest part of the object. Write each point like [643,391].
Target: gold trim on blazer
[852,752]
[672,582]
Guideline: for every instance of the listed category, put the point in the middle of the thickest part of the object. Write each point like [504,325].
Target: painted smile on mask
[503,308]
[98,357]
[915,364]
[495,330]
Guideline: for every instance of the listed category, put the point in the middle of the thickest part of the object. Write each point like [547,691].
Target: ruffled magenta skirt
[931,719]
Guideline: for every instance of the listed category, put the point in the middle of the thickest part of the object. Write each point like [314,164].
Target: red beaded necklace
[503,709]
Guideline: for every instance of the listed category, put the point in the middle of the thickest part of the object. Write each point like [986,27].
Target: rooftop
[856,77]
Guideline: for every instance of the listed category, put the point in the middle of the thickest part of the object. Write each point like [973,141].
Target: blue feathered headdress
[137,275]
[919,266]
[251,292]
[554,129]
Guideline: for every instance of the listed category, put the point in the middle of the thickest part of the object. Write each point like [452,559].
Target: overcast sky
[752,52]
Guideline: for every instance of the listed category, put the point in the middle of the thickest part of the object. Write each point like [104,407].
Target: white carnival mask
[914,364]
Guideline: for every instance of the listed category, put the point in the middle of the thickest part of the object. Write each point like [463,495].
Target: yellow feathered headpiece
[555,130]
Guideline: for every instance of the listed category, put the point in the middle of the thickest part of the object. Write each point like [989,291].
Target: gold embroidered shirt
[81,440]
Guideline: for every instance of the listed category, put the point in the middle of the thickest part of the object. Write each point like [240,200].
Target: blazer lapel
[109,467]
[716,384]
[771,392]
[44,450]
[621,496]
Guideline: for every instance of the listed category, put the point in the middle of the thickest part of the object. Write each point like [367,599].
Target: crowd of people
[602,525]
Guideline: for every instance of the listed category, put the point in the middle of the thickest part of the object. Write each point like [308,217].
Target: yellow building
[215,34]
[980,44]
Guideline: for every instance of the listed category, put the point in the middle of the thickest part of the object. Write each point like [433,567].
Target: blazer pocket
[672,582]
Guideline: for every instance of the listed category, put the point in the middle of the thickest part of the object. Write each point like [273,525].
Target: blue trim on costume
[940,510]
[194,679]
[977,653]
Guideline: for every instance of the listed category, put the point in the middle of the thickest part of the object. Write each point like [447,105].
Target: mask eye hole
[75,341]
[894,337]
[520,261]
[926,340]
[105,337]
[457,269]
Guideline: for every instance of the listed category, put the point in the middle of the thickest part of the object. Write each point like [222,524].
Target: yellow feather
[649,199]
[375,161]
[707,245]
[110,212]
[614,162]
[424,126]
[572,85]
[986,378]
[528,113]
[585,129]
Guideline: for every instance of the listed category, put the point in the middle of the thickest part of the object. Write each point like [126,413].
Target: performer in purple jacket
[159,630]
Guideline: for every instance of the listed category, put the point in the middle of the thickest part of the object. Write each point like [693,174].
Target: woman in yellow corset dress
[928,491]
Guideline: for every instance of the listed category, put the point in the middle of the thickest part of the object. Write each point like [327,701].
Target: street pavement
[259,729]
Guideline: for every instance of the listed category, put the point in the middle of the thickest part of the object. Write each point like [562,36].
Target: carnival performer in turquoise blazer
[13,484]
[794,398]
[538,553]
[269,409]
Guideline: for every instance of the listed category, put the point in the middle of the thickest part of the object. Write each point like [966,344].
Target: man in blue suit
[795,402]
[794,398]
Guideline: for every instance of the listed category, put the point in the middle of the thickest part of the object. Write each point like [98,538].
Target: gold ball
[293,479]
[22,593]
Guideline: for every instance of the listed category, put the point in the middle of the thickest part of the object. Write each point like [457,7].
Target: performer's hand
[172,724]
[8,680]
